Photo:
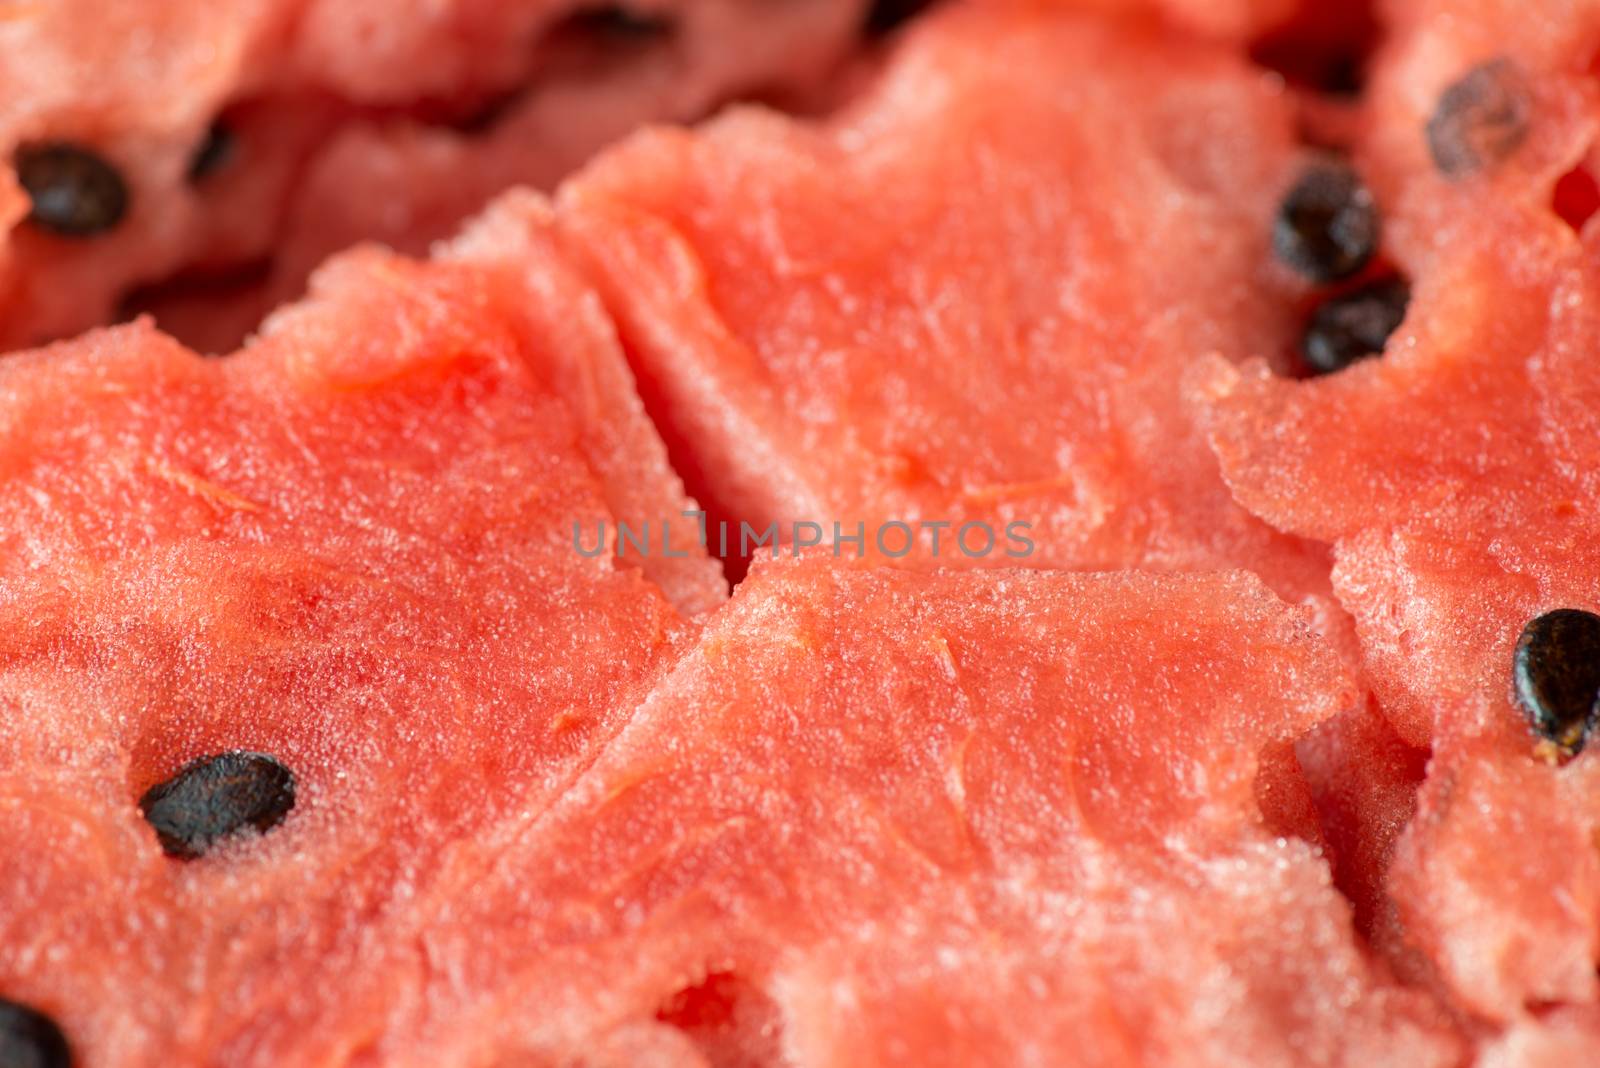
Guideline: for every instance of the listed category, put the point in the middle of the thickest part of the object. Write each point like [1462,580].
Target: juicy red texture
[1363,781]
[342,113]
[347,546]
[1557,1038]
[829,336]
[965,818]
[1456,478]
[1430,45]
[839,339]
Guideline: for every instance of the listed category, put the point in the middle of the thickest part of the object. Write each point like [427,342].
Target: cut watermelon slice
[1452,533]
[880,817]
[827,334]
[349,549]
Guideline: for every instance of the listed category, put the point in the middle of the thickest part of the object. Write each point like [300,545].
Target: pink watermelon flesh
[348,546]
[409,183]
[287,78]
[827,333]
[884,817]
[1450,534]
[1559,1038]
[1534,63]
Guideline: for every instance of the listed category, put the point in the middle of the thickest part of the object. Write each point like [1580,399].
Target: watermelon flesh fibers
[1225,769]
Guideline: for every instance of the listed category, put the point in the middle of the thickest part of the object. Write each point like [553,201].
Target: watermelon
[826,334]
[862,819]
[408,183]
[1561,1037]
[1491,99]
[204,120]
[1451,535]
[333,575]
[994,817]
[798,375]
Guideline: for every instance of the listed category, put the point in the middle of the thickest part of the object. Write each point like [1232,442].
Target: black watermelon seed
[1354,325]
[75,193]
[1327,227]
[214,153]
[1556,669]
[886,16]
[211,798]
[30,1039]
[1479,121]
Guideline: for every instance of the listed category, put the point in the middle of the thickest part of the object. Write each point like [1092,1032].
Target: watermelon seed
[1354,325]
[30,1039]
[1327,226]
[1479,121]
[1556,677]
[215,152]
[215,796]
[75,193]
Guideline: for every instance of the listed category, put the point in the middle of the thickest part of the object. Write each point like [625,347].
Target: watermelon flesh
[408,183]
[1530,65]
[827,336]
[877,816]
[867,815]
[1561,1037]
[348,547]
[287,78]
[1450,535]
[970,744]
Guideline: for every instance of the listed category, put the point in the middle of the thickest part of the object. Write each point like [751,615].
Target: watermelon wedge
[316,610]
[1451,535]
[881,817]
[202,130]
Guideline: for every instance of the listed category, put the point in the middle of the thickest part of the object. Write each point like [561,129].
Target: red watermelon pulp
[1268,324]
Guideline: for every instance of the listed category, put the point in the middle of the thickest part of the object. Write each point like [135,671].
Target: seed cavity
[1327,226]
[1480,120]
[30,1039]
[1556,679]
[216,796]
[75,193]
[1354,325]
[886,16]
[214,153]
[618,23]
